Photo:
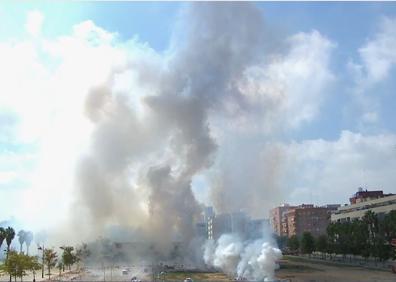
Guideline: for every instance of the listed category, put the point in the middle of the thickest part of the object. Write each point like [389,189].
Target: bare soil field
[305,270]
[196,276]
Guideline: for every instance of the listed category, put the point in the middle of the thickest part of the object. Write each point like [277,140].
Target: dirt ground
[196,276]
[304,270]
[298,270]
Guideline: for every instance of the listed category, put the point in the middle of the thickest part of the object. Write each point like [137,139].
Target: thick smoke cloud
[144,154]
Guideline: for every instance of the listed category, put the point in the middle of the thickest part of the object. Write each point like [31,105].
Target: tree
[28,240]
[68,257]
[17,265]
[307,243]
[11,264]
[21,238]
[321,244]
[293,243]
[388,230]
[281,241]
[60,266]
[357,237]
[2,236]
[82,253]
[50,259]
[10,235]
[370,221]
[34,265]
[382,250]
[332,237]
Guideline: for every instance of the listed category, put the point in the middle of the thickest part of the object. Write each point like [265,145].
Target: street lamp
[42,249]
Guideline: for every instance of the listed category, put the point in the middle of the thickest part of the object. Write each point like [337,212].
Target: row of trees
[7,234]
[370,236]
[25,237]
[19,264]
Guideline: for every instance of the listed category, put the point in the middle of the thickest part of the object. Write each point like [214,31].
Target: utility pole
[42,269]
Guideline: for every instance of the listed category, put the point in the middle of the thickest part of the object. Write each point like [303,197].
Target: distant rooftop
[364,195]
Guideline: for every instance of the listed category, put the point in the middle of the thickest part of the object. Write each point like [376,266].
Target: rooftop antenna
[364,179]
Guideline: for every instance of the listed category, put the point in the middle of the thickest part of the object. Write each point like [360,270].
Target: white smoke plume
[251,260]
[146,150]
[210,105]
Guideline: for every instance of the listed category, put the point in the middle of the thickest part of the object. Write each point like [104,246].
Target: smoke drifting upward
[145,152]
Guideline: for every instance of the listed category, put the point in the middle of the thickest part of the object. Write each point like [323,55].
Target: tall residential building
[255,228]
[227,223]
[201,230]
[307,218]
[278,219]
[208,213]
[363,201]
[236,223]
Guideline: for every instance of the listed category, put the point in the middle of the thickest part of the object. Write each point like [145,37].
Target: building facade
[364,195]
[278,219]
[236,223]
[227,223]
[358,208]
[307,218]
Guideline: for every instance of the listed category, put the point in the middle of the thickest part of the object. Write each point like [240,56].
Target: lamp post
[42,270]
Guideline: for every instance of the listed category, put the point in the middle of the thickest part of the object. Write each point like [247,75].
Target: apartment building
[307,218]
[363,201]
[278,219]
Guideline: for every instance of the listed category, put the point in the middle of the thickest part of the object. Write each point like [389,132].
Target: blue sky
[347,23]
[338,116]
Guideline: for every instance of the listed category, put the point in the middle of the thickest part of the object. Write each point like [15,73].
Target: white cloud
[370,117]
[378,54]
[46,82]
[284,93]
[292,87]
[330,171]
[34,22]
[377,59]
[6,177]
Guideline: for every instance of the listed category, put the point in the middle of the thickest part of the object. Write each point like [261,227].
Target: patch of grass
[297,267]
[338,264]
[196,276]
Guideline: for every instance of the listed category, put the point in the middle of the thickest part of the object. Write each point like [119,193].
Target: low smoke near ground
[253,260]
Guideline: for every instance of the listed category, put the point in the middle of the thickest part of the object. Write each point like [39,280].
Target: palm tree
[21,238]
[10,235]
[2,236]
[28,240]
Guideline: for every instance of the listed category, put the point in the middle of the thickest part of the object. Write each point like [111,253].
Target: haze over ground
[106,120]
